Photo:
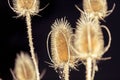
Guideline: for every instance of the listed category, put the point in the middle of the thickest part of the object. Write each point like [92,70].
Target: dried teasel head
[97,8]
[24,68]
[89,41]
[60,39]
[21,7]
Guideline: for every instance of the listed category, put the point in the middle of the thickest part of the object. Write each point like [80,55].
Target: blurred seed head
[97,8]
[84,25]
[21,7]
[60,40]
[24,67]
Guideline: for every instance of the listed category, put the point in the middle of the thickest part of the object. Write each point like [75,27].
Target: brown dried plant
[28,8]
[89,39]
[61,54]
[89,43]
[86,45]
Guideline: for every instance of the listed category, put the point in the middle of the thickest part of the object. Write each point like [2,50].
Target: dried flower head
[60,40]
[22,7]
[89,41]
[97,8]
[24,68]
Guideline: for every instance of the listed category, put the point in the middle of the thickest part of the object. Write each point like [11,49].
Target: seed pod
[88,38]
[60,40]
[97,8]
[21,7]
[24,68]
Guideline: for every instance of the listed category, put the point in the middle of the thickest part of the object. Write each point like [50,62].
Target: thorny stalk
[66,72]
[63,72]
[27,8]
[29,28]
[88,68]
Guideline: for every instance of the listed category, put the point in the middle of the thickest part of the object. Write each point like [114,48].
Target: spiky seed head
[96,8]
[24,67]
[26,6]
[88,38]
[61,33]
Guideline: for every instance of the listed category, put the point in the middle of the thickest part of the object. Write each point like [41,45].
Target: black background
[13,38]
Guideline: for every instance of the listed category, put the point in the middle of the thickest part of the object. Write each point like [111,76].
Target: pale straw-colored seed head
[21,7]
[60,40]
[88,38]
[24,68]
[97,8]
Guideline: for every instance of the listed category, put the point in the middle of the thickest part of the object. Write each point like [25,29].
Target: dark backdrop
[13,38]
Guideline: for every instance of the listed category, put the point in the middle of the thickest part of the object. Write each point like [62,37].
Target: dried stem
[28,21]
[89,69]
[66,72]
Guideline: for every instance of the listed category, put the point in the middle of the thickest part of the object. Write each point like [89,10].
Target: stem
[94,68]
[66,72]
[29,28]
[88,69]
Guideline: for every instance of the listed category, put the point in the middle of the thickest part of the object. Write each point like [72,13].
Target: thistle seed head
[24,67]
[60,40]
[88,38]
[96,8]
[21,7]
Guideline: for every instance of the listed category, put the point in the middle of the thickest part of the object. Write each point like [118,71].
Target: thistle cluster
[68,48]
[86,45]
